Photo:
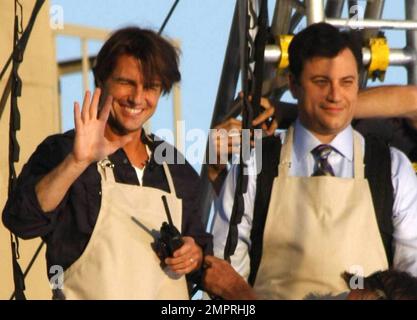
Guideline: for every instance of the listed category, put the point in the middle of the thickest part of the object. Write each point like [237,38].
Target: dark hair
[321,40]
[389,284]
[158,58]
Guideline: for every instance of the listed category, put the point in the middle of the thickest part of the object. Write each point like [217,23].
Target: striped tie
[321,153]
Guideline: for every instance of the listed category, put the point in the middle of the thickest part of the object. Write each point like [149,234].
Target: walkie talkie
[170,238]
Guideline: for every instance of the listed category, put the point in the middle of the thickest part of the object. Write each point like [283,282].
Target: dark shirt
[67,229]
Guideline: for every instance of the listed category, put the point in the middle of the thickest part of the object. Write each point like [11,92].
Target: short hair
[158,58]
[389,284]
[321,40]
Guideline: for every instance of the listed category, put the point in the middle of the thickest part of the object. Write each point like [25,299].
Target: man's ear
[293,85]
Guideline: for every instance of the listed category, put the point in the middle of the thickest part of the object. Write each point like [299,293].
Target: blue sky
[202,26]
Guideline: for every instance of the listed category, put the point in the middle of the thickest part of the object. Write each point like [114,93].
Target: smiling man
[315,209]
[95,195]
[327,93]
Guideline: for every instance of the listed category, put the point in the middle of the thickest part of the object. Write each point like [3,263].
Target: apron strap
[359,167]
[105,168]
[169,178]
[285,157]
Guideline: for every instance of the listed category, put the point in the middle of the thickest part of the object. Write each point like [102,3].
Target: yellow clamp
[379,58]
[284,43]
[415,166]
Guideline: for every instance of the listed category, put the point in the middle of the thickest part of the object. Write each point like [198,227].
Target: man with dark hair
[381,285]
[99,195]
[326,199]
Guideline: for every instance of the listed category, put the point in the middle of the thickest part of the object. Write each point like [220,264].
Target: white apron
[118,262]
[317,228]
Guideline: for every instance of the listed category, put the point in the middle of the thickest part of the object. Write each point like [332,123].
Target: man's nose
[136,97]
[335,93]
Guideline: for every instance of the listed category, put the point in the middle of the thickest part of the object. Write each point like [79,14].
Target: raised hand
[225,140]
[231,128]
[269,112]
[90,143]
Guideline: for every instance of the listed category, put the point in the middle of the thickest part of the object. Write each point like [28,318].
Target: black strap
[18,278]
[271,149]
[260,42]
[241,181]
[251,84]
[377,171]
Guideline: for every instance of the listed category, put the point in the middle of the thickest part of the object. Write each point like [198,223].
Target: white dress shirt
[404,181]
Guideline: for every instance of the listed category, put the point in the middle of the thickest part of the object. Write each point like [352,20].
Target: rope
[168,17]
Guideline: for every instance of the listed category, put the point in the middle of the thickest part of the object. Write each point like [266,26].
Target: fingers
[86,106]
[217,275]
[211,260]
[221,279]
[226,138]
[268,112]
[271,130]
[266,103]
[187,258]
[186,247]
[263,116]
[184,267]
[104,114]
[90,105]
[77,115]
[229,124]
[94,103]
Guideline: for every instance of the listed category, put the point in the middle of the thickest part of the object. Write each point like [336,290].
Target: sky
[201,26]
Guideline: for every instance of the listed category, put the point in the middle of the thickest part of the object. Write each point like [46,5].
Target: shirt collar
[305,141]
[148,139]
